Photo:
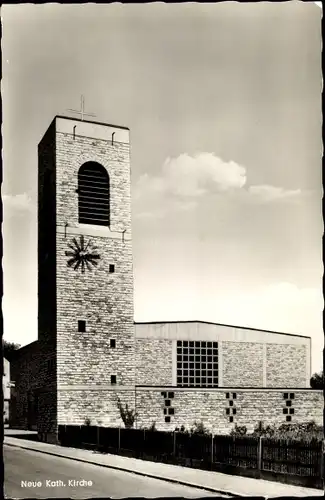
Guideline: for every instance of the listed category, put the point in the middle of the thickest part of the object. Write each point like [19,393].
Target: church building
[90,353]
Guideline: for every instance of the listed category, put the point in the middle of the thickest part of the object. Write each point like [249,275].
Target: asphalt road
[55,477]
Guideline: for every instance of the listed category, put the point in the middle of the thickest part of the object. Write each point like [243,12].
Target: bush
[181,429]
[200,429]
[301,431]
[238,431]
[317,381]
[127,415]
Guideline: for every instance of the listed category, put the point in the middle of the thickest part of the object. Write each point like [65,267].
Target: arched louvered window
[93,191]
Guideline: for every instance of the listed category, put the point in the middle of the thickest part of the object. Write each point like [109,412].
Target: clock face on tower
[82,255]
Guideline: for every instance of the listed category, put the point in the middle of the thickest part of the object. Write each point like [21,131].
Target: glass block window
[197,364]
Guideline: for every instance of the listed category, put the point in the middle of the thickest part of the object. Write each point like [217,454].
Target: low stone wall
[221,409]
[99,406]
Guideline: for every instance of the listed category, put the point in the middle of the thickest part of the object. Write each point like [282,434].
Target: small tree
[127,415]
[9,348]
[200,429]
[317,381]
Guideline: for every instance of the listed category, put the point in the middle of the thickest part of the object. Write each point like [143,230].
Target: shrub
[317,381]
[200,429]
[181,429]
[127,415]
[301,431]
[239,430]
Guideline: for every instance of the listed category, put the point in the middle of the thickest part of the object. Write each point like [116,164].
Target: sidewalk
[212,481]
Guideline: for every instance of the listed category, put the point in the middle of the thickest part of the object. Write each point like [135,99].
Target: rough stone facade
[246,358]
[99,406]
[242,364]
[285,365]
[221,409]
[154,362]
[101,298]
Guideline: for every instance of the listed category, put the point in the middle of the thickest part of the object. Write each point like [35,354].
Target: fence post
[259,454]
[119,438]
[98,437]
[212,450]
[174,443]
[322,461]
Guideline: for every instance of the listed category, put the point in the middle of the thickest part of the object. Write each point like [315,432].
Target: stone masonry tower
[86,318]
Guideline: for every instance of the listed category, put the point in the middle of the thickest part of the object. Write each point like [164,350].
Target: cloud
[17,202]
[266,193]
[193,176]
[184,181]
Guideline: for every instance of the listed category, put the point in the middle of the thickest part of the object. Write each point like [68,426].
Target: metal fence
[258,456]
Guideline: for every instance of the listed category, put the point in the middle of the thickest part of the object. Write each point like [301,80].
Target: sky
[224,106]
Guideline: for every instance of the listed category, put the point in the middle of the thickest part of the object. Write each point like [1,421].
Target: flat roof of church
[90,121]
[219,324]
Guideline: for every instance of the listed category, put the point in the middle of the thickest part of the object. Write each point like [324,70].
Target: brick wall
[215,407]
[154,362]
[33,370]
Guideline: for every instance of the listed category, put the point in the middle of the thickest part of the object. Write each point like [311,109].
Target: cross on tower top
[81,112]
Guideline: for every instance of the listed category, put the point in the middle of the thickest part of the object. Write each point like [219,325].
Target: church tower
[86,317]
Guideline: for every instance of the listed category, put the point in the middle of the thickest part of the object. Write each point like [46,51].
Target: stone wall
[33,370]
[46,238]
[154,362]
[101,296]
[285,363]
[99,406]
[246,357]
[221,409]
[242,364]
